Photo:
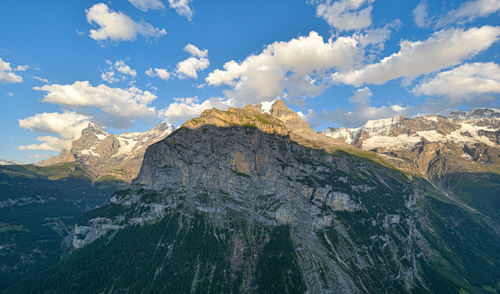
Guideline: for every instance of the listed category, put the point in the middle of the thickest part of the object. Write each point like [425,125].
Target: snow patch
[401,141]
[89,152]
[266,106]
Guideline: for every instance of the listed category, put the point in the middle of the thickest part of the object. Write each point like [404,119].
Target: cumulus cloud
[297,67]
[6,74]
[346,15]
[118,107]
[464,82]
[118,71]
[145,5]
[67,126]
[362,111]
[117,26]
[190,67]
[49,143]
[21,67]
[122,68]
[161,73]
[182,7]
[469,11]
[420,15]
[194,51]
[184,109]
[443,49]
[110,77]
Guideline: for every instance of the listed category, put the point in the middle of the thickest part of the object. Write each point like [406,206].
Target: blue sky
[131,64]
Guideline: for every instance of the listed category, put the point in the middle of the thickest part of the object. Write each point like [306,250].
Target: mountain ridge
[467,140]
[252,200]
[110,157]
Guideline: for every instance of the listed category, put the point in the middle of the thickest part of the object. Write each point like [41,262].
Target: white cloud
[466,81]
[346,15]
[442,50]
[469,11]
[181,7]
[41,79]
[191,66]
[360,114]
[39,156]
[297,66]
[50,143]
[119,107]
[10,94]
[67,125]
[6,74]
[117,26]
[146,5]
[21,67]
[194,51]
[420,15]
[161,73]
[117,71]
[122,68]
[109,77]
[186,108]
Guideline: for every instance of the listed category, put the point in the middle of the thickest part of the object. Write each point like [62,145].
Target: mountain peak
[106,155]
[477,113]
[250,116]
[93,129]
[163,127]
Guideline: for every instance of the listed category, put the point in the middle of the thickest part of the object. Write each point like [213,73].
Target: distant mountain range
[252,200]
[431,145]
[110,157]
[6,162]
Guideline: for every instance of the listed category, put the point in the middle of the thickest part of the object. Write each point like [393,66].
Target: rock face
[432,145]
[108,156]
[253,201]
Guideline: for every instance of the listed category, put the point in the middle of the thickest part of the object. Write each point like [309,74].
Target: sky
[131,64]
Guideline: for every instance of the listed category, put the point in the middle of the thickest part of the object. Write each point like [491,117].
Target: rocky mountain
[252,200]
[432,145]
[109,157]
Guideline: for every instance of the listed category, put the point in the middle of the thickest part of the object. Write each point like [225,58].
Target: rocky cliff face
[432,145]
[253,201]
[108,156]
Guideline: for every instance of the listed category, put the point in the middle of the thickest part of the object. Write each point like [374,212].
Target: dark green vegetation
[262,214]
[38,208]
[478,190]
[178,254]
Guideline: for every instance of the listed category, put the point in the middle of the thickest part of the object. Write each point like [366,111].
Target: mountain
[110,157]
[6,162]
[38,208]
[251,200]
[459,153]
[432,145]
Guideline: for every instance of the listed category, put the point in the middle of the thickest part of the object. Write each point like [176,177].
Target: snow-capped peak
[266,106]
